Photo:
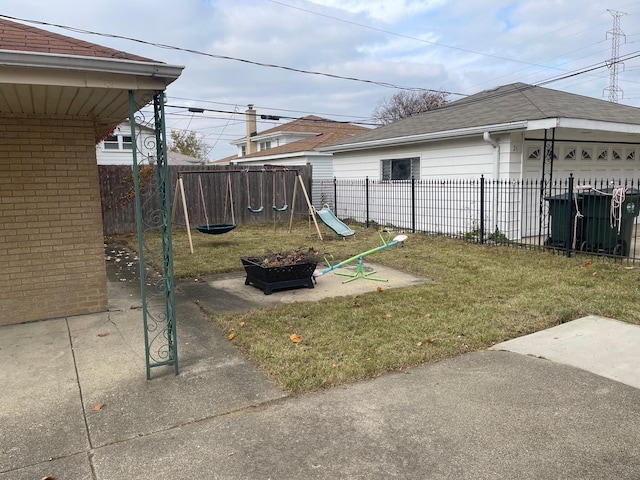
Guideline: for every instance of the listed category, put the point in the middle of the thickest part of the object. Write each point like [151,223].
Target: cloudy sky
[459,46]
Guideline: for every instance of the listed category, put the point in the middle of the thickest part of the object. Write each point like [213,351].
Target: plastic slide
[334,223]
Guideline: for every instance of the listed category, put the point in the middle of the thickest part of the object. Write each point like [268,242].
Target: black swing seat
[216,229]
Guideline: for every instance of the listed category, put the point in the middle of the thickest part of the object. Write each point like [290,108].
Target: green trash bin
[602,232]
[562,210]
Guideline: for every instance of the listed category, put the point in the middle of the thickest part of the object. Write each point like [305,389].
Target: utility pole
[616,33]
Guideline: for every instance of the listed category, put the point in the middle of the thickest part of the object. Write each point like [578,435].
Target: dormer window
[265,145]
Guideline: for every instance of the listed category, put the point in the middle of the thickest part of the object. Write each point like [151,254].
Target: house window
[631,155]
[615,154]
[570,154]
[111,143]
[603,154]
[400,169]
[243,150]
[118,142]
[534,154]
[265,145]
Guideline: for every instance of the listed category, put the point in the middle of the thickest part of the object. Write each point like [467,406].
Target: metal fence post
[335,196]
[413,205]
[481,208]
[366,194]
[571,213]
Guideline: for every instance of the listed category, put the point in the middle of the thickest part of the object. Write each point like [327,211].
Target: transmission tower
[616,33]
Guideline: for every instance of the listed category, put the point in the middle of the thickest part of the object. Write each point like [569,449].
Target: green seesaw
[360,271]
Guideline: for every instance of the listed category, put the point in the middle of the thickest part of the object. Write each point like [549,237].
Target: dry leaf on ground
[98,406]
[295,338]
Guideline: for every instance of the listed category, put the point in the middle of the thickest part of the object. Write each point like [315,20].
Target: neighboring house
[59,97]
[501,134]
[293,143]
[177,158]
[117,147]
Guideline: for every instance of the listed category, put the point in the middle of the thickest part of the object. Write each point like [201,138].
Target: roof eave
[51,61]
[279,156]
[584,124]
[279,133]
[426,137]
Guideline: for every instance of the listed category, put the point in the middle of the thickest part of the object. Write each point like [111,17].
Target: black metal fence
[593,216]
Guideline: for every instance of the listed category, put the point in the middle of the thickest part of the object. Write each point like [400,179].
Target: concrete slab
[109,348]
[479,416]
[40,413]
[599,345]
[229,293]
[74,467]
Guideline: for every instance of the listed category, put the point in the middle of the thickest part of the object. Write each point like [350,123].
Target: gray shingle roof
[510,103]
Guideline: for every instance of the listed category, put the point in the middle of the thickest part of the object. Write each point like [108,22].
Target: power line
[225,57]
[262,107]
[285,117]
[460,49]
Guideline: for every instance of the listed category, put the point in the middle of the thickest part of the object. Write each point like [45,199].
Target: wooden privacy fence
[206,194]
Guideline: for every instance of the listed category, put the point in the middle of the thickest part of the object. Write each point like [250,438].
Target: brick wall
[51,243]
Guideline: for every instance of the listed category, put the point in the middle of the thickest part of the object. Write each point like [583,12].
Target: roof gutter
[151,68]
[426,137]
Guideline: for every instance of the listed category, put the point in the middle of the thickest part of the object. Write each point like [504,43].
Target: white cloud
[387,11]
[460,46]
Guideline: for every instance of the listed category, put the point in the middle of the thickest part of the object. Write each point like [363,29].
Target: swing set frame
[224,228]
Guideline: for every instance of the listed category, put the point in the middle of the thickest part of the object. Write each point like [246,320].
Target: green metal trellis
[154,246]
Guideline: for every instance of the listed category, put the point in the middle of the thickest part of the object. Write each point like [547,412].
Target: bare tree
[406,103]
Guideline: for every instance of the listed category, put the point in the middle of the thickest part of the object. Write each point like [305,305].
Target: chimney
[252,128]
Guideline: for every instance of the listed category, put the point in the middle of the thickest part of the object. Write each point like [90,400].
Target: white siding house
[293,144]
[117,147]
[499,134]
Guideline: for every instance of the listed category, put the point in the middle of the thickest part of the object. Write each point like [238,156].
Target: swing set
[279,199]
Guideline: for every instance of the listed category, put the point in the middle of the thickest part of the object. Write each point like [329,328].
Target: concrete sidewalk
[75,404]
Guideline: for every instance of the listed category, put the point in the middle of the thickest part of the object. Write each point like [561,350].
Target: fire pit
[280,271]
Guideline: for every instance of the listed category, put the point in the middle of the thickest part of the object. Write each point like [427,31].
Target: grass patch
[480,295]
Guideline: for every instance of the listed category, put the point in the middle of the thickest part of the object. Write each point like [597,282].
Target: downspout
[486,136]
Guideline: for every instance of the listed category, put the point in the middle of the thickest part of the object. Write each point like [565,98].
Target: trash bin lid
[630,191]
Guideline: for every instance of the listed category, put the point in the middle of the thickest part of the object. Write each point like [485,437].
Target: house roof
[177,158]
[323,132]
[18,37]
[48,73]
[509,105]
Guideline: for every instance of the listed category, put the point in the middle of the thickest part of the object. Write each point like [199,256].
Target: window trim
[387,169]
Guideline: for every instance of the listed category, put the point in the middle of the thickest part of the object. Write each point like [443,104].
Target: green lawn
[479,295]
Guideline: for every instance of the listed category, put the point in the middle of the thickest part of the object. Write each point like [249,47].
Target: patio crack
[81,395]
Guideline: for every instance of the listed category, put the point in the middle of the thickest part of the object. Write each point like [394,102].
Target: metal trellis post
[154,233]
